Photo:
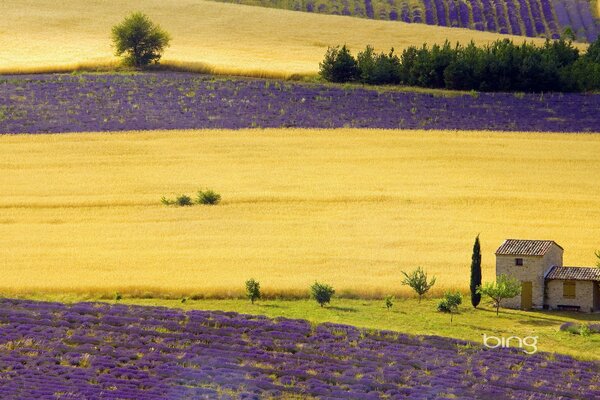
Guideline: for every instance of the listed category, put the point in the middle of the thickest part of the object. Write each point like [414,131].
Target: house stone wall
[533,270]
[584,292]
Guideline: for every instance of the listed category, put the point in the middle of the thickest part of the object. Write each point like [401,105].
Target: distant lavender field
[101,351]
[116,102]
[533,18]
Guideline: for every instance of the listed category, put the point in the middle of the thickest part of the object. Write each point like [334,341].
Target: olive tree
[140,40]
[505,287]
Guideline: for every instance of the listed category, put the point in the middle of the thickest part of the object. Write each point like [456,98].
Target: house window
[569,290]
[518,261]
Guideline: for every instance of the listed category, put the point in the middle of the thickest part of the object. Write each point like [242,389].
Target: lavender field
[117,102]
[532,18]
[102,351]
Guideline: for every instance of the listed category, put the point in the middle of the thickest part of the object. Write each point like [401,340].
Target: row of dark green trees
[500,66]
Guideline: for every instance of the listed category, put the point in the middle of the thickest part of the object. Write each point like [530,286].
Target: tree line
[501,66]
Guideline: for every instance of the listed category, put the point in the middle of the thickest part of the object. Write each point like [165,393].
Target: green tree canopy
[140,40]
[505,287]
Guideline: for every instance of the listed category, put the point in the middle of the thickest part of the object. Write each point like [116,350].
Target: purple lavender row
[526,18]
[464,15]
[440,8]
[488,13]
[453,15]
[99,351]
[478,20]
[429,13]
[81,103]
[501,17]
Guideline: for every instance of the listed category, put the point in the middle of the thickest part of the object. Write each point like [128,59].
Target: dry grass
[81,213]
[41,36]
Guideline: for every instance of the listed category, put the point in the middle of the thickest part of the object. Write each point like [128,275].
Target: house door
[526,295]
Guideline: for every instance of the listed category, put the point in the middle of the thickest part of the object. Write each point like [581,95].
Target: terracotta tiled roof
[520,247]
[574,273]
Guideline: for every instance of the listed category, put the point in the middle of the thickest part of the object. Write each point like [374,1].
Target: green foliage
[417,280]
[568,34]
[499,66]
[208,197]
[167,202]
[140,40]
[475,273]
[321,292]
[378,69]
[449,304]
[339,65]
[389,301]
[118,296]
[183,200]
[505,287]
[252,290]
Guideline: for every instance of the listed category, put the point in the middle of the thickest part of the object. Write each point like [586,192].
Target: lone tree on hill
[252,290]
[418,281]
[322,293]
[505,288]
[476,273]
[140,40]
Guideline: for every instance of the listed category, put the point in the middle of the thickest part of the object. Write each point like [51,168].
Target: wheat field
[41,36]
[81,213]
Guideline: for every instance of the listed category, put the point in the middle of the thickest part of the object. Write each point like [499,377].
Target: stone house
[545,282]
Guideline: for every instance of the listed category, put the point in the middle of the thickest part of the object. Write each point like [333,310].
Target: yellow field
[43,35]
[81,213]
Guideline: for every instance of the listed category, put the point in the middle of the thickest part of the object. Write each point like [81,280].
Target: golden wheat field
[37,36]
[81,213]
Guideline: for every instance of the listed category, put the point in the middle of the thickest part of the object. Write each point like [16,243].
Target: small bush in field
[252,290]
[450,303]
[321,292]
[208,197]
[389,301]
[118,296]
[183,200]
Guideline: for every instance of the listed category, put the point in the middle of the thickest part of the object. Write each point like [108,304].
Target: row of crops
[83,103]
[100,351]
[533,18]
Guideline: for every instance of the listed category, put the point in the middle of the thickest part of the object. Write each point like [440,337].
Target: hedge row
[501,66]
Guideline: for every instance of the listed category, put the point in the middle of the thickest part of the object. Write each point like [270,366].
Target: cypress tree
[475,273]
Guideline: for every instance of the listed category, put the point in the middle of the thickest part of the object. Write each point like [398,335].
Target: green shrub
[449,304]
[183,200]
[208,197]
[321,292]
[118,296]
[140,40]
[389,301]
[252,290]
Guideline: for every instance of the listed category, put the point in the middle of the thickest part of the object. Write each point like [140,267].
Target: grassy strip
[409,316]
